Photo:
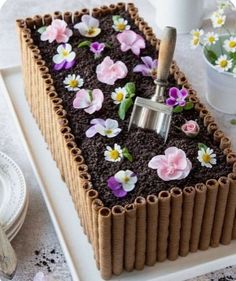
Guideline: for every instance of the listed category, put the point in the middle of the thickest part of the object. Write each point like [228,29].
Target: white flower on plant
[113,154]
[64,53]
[223,4]
[127,179]
[197,32]
[223,63]
[211,38]
[230,44]
[73,82]
[206,157]
[195,42]
[120,24]
[218,19]
[119,95]
[89,26]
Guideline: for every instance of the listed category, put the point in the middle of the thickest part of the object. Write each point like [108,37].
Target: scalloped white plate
[13,192]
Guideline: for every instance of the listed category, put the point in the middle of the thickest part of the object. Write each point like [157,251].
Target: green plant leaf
[188,106]
[211,55]
[115,17]
[130,88]
[42,29]
[127,154]
[84,44]
[178,109]
[233,121]
[124,107]
[108,45]
[232,56]
[202,146]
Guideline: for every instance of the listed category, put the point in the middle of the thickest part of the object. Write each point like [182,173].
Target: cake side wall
[149,230]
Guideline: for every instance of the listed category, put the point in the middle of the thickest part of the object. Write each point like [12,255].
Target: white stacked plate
[14,199]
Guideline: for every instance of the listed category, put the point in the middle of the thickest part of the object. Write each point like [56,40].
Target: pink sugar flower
[190,128]
[57,31]
[177,97]
[130,40]
[174,165]
[108,71]
[90,101]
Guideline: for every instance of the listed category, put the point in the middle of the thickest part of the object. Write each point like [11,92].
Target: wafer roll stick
[230,211]
[90,196]
[175,222]
[217,136]
[220,211]
[209,212]
[234,229]
[130,236]
[186,223]
[96,206]
[163,224]
[84,187]
[140,250]
[152,228]
[225,143]
[104,229]
[231,158]
[118,233]
[198,211]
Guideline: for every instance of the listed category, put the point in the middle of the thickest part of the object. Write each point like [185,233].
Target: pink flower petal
[157,161]
[96,121]
[174,92]
[82,99]
[91,132]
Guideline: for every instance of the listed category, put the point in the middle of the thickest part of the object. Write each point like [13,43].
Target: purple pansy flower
[177,97]
[65,57]
[122,183]
[148,68]
[97,48]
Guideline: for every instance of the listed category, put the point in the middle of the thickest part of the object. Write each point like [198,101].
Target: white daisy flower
[223,4]
[73,82]
[119,95]
[113,154]
[218,19]
[230,44]
[195,42]
[197,32]
[206,157]
[211,38]
[223,63]
[120,24]
[127,178]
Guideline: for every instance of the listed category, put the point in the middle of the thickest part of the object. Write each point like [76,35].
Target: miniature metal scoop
[152,113]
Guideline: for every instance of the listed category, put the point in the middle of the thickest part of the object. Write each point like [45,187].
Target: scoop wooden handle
[8,261]
[166,52]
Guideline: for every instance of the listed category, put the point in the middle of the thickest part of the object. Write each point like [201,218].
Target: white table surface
[37,241]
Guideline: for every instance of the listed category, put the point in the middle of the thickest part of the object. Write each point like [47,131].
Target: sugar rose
[190,128]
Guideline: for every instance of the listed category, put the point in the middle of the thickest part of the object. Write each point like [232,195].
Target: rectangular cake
[139,199]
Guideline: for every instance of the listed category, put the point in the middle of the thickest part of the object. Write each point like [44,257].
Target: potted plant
[219,51]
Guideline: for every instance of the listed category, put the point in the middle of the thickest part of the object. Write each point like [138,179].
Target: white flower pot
[221,91]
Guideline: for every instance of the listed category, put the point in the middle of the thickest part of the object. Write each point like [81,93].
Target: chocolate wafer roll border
[70,167]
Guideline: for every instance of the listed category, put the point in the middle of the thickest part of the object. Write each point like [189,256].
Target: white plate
[74,243]
[12,191]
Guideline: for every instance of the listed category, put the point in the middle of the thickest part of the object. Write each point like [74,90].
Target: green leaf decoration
[108,45]
[233,122]
[84,44]
[188,106]
[211,56]
[178,109]
[130,89]
[42,29]
[124,107]
[202,146]
[115,18]
[127,154]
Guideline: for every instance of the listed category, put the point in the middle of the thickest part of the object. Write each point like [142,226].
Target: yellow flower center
[126,179]
[91,31]
[196,33]
[211,39]
[119,96]
[223,63]
[114,154]
[196,41]
[219,21]
[232,44]
[206,158]
[65,53]
[108,132]
[73,83]
[120,26]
